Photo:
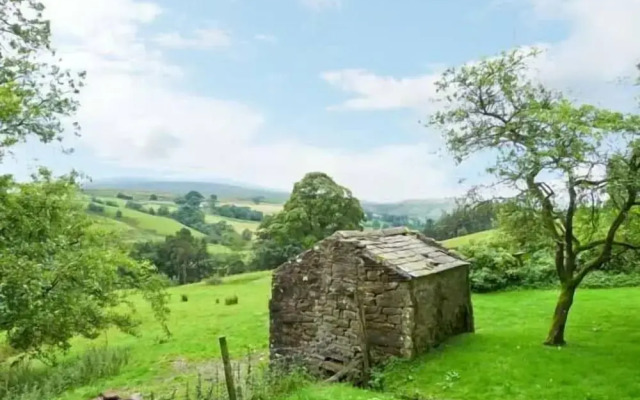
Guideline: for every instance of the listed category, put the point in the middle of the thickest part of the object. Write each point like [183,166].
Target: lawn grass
[467,239]
[504,359]
[265,208]
[238,224]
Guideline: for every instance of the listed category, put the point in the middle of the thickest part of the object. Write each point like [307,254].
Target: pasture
[504,359]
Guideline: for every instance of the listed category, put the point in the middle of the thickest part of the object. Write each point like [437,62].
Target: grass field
[265,208]
[238,224]
[504,359]
[466,239]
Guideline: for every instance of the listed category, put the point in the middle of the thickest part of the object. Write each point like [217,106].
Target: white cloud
[601,47]
[201,39]
[320,5]
[264,37]
[374,92]
[135,116]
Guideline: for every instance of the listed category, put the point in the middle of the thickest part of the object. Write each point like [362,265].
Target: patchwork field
[504,359]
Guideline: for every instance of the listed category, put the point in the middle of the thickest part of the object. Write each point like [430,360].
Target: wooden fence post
[228,373]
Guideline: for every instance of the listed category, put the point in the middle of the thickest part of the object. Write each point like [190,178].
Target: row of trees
[466,218]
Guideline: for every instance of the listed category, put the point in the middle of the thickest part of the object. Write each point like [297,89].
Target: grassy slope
[504,359]
[238,224]
[466,239]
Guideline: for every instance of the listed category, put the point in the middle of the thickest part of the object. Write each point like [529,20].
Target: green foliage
[112,203]
[163,211]
[466,218]
[95,208]
[228,264]
[247,235]
[184,298]
[118,214]
[124,196]
[60,275]
[233,211]
[26,382]
[181,256]
[35,95]
[229,301]
[153,197]
[551,152]
[317,208]
[134,206]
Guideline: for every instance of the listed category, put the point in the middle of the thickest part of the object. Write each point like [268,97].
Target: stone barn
[358,298]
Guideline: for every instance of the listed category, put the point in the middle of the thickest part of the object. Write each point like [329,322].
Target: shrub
[153,197]
[124,196]
[118,214]
[112,203]
[95,208]
[134,206]
[97,200]
[231,300]
[214,280]
[184,298]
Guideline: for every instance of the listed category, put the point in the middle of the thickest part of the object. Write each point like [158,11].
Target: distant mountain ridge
[417,208]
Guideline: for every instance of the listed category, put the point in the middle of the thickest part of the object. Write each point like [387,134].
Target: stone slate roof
[409,253]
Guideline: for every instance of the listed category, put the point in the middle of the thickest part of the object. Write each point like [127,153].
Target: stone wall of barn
[319,301]
[443,307]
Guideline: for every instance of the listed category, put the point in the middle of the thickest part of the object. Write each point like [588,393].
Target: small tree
[553,154]
[164,211]
[118,214]
[153,197]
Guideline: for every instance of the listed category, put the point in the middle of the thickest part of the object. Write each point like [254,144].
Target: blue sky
[262,91]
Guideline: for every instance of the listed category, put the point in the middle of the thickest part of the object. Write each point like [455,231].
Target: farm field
[467,239]
[238,224]
[504,359]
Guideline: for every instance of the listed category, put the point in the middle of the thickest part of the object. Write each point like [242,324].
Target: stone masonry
[371,294]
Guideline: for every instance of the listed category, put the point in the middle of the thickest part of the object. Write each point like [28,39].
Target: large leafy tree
[318,207]
[60,275]
[563,160]
[181,257]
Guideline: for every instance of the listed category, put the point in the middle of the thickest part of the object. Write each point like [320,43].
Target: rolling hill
[242,195]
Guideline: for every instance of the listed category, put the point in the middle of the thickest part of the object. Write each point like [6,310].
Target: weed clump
[184,298]
[231,300]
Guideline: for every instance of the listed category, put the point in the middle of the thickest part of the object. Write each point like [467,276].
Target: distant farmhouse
[358,298]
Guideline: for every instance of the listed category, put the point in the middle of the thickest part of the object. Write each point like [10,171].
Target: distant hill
[222,190]
[423,208]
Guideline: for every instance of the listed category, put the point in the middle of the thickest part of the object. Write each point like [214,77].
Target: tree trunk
[556,333]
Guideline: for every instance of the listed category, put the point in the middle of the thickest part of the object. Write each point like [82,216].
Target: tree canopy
[318,207]
[60,274]
[560,159]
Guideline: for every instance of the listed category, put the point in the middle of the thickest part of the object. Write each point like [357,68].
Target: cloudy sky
[262,91]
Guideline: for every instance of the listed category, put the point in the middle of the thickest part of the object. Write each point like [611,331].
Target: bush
[118,214]
[95,208]
[124,196]
[494,267]
[228,301]
[134,206]
[112,203]
[605,280]
[184,298]
[214,280]
[153,197]
[97,200]
[164,211]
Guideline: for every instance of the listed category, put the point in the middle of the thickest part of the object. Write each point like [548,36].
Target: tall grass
[27,381]
[253,380]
